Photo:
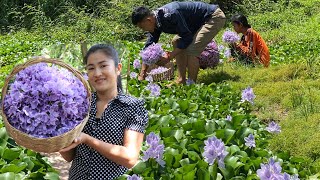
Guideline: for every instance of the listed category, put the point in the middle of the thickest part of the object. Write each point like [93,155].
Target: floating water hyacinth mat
[45,104]
[163,75]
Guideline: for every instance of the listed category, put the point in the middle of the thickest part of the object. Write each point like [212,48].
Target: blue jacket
[182,18]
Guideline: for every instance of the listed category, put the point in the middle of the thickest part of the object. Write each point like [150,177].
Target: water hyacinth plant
[184,119]
[221,48]
[136,64]
[154,89]
[249,141]
[227,53]
[189,82]
[272,170]
[288,177]
[248,95]
[151,54]
[155,150]
[273,127]
[214,150]
[149,78]
[45,101]
[133,75]
[230,37]
[134,177]
[229,118]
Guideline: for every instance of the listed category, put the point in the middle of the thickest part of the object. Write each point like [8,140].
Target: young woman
[252,48]
[111,140]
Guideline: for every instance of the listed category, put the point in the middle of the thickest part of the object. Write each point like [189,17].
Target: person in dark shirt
[195,25]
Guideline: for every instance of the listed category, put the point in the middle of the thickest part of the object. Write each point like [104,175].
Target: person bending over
[195,25]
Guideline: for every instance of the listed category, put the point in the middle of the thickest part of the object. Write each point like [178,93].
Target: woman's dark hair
[240,19]
[139,14]
[108,50]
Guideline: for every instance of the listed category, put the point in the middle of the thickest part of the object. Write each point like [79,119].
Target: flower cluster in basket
[45,101]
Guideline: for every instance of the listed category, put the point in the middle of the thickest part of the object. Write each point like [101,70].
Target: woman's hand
[80,139]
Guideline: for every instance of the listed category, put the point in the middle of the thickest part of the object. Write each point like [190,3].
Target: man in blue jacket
[195,25]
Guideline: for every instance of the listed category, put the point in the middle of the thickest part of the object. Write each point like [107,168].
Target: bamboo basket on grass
[51,144]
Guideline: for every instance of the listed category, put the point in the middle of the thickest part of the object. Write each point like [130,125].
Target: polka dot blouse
[123,112]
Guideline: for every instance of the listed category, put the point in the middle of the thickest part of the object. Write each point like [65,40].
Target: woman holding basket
[111,140]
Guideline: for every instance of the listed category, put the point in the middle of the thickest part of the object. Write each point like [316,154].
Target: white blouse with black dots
[123,112]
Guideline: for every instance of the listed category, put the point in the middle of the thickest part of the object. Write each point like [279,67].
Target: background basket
[167,75]
[51,144]
[210,56]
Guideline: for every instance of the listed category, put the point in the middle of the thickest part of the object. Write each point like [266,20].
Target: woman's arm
[126,155]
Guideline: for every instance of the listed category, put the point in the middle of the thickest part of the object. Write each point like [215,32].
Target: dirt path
[59,164]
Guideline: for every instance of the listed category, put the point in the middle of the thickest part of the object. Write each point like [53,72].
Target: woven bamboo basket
[167,75]
[51,144]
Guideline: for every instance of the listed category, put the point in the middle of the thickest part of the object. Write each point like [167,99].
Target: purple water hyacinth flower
[221,48]
[189,82]
[45,101]
[149,78]
[152,53]
[155,149]
[230,37]
[155,152]
[227,53]
[136,64]
[152,139]
[288,177]
[154,89]
[272,170]
[133,75]
[134,177]
[214,149]
[229,118]
[249,141]
[158,70]
[273,127]
[248,95]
